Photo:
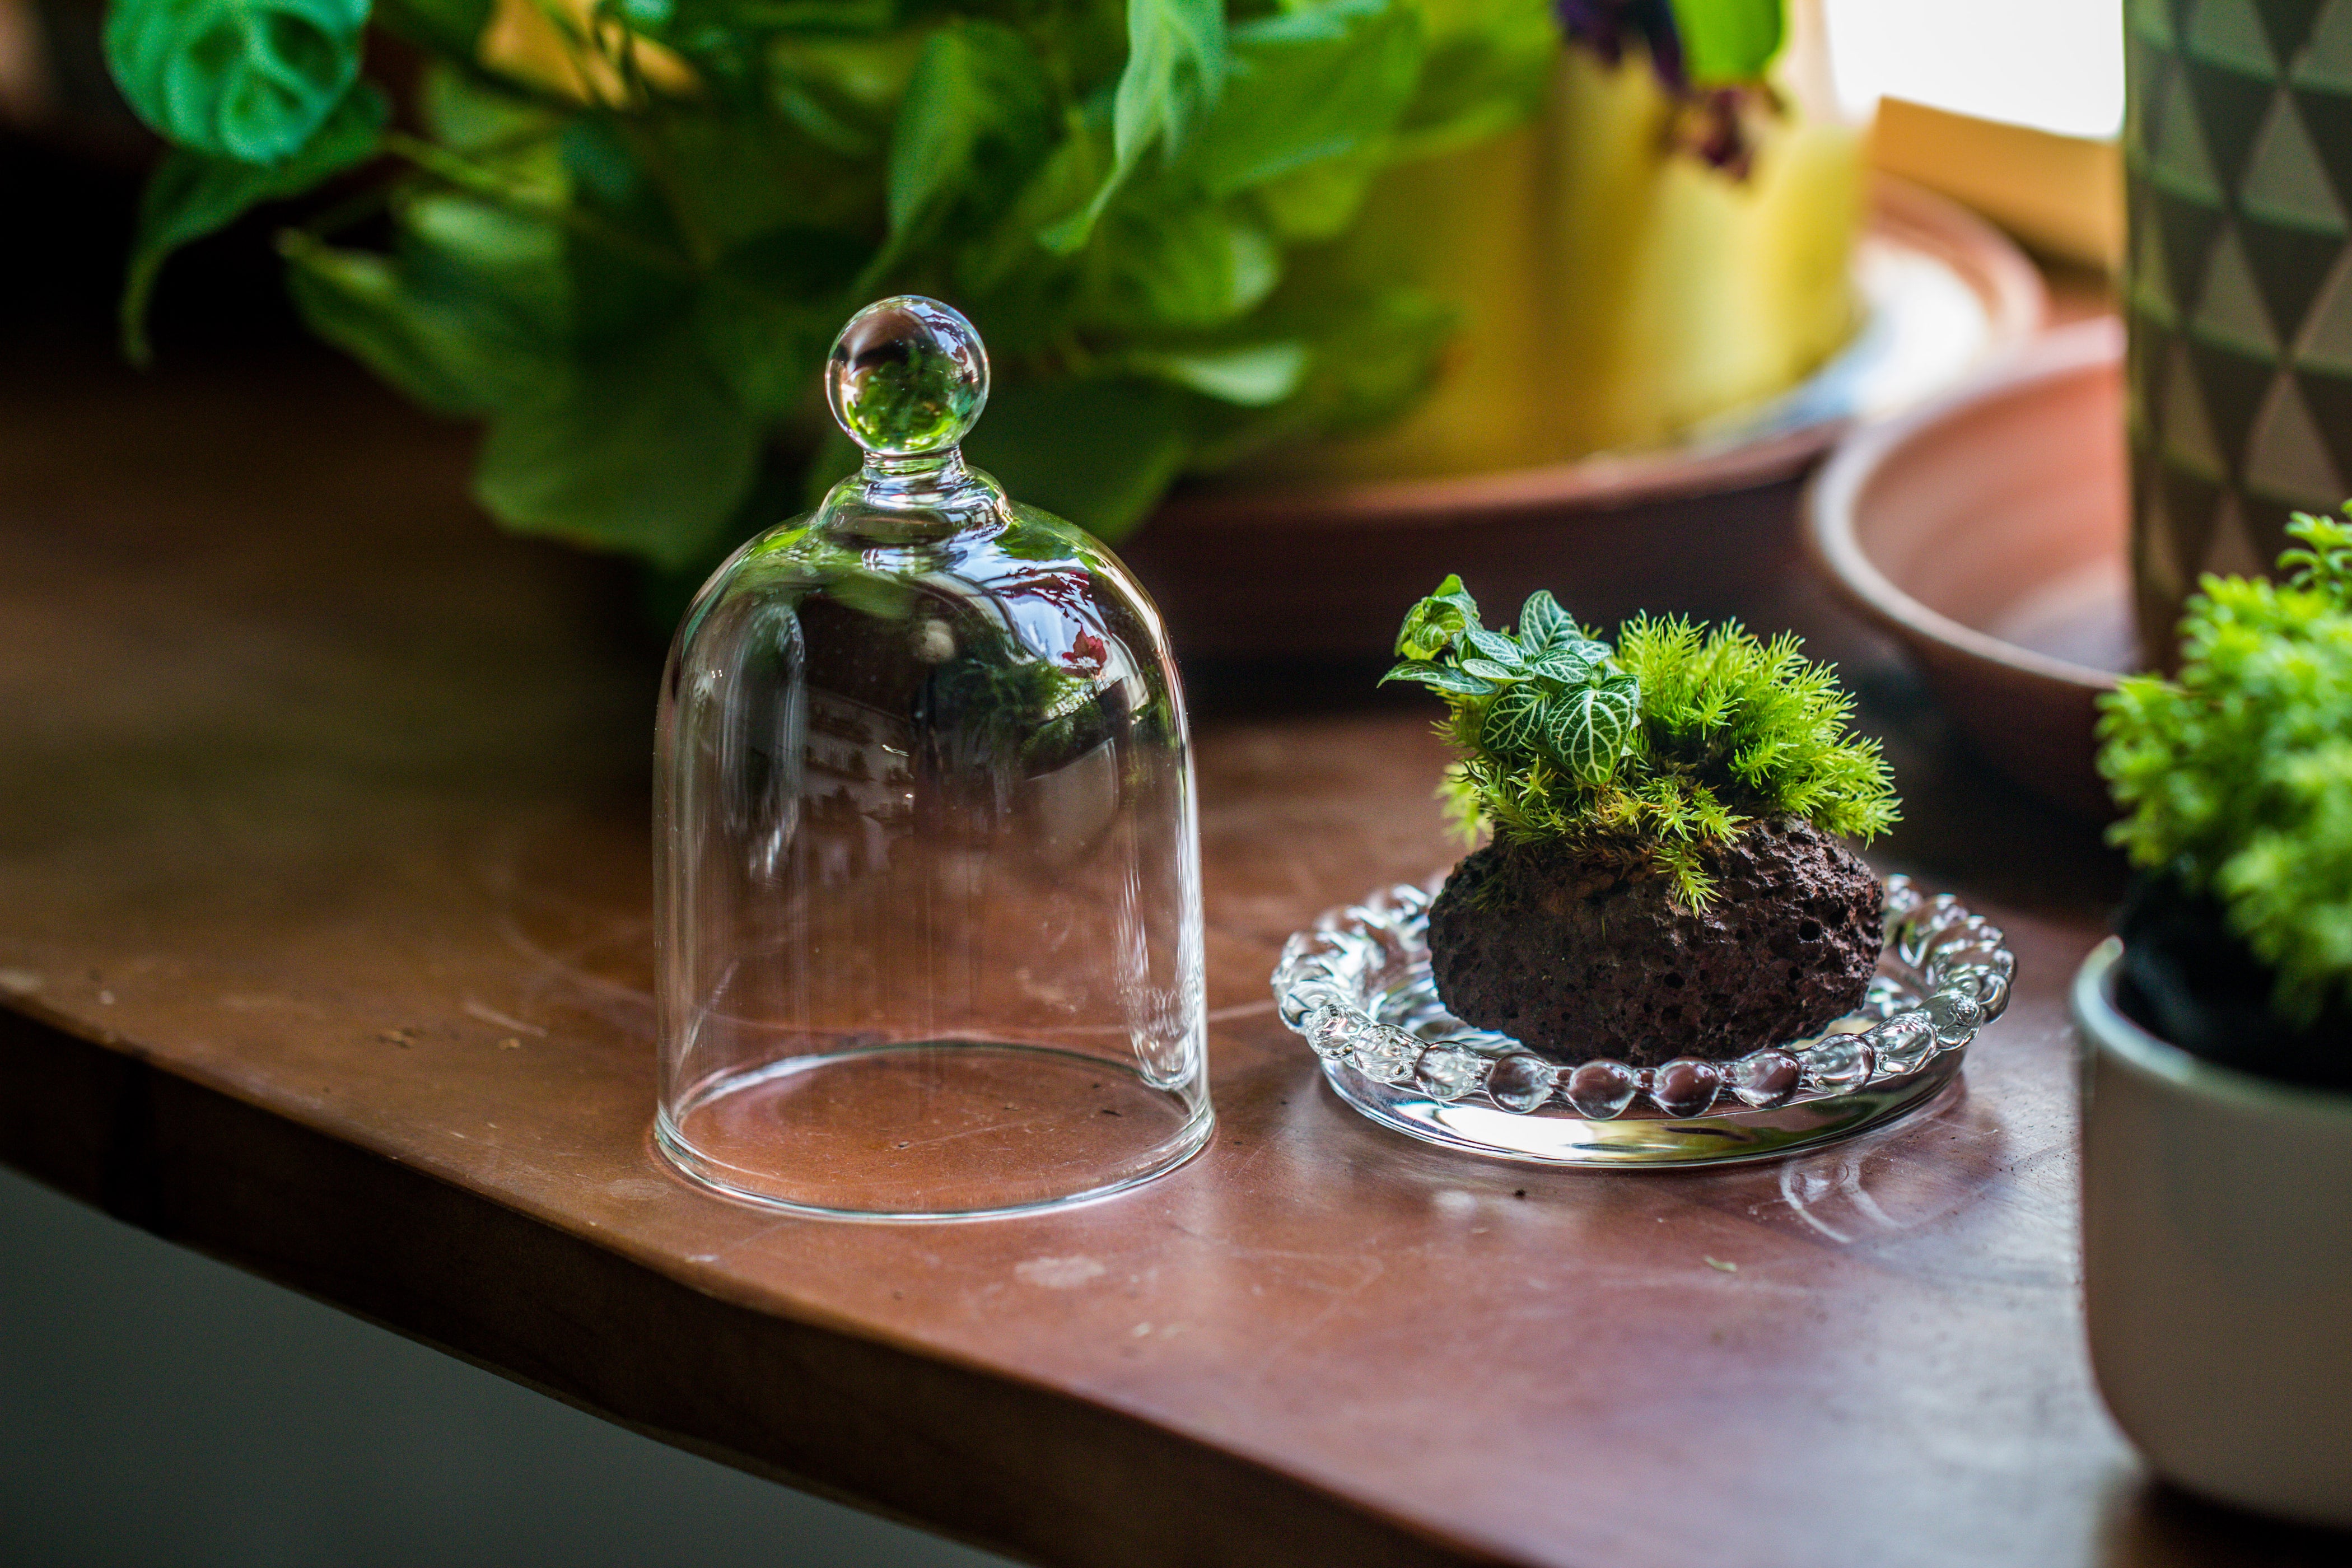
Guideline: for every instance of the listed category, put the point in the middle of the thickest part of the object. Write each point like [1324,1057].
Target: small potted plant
[2217,1043]
[1666,877]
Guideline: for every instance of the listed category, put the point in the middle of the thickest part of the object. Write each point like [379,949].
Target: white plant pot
[2217,1264]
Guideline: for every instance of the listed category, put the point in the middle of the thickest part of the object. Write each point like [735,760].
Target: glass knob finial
[906,377]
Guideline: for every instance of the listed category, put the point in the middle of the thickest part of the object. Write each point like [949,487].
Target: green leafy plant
[622,233]
[2236,776]
[1655,750]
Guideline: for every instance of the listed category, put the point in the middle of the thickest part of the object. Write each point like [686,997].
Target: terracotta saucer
[1326,570]
[1988,533]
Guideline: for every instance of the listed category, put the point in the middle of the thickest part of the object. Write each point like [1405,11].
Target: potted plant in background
[2217,1045]
[1668,239]
[620,233]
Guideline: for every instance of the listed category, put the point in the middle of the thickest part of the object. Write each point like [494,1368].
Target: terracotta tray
[1988,534]
[1326,571]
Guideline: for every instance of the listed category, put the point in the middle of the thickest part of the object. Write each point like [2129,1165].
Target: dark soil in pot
[1578,953]
[2187,978]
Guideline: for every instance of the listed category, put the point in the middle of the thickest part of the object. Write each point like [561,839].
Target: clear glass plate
[1357,985]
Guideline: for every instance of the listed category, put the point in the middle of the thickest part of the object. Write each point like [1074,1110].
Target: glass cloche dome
[927,880]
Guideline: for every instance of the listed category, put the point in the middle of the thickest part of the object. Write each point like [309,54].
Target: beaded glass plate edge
[1356,986]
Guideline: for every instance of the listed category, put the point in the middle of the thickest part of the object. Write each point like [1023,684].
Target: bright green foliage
[634,285]
[1729,40]
[1655,750]
[247,80]
[1177,58]
[2237,777]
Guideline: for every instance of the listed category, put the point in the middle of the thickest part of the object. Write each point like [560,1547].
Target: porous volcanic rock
[1581,955]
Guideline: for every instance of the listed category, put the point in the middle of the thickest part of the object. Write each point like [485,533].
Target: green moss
[1655,750]
[2236,778]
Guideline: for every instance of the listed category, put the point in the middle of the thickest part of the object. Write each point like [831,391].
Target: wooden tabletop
[324,949]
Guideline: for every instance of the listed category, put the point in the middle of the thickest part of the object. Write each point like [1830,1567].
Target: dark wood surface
[324,949]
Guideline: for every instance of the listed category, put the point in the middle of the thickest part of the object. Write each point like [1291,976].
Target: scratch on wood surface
[248,1002]
[474,1009]
[623,1006]
[1282,1348]
[1285,1270]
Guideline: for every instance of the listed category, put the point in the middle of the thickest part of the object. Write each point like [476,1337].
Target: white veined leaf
[1429,627]
[1503,650]
[1565,665]
[1439,676]
[1585,729]
[1490,669]
[1542,623]
[1514,725]
[1450,592]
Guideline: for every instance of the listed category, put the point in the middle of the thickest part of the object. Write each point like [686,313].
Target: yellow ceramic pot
[1616,293]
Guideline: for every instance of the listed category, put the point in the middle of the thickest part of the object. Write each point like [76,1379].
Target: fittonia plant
[1656,751]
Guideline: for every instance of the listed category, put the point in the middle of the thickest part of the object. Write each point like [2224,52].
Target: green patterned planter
[2238,142]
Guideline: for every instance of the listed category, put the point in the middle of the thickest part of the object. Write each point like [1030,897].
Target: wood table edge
[1000,1462]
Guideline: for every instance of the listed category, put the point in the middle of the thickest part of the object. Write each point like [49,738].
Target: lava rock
[1579,952]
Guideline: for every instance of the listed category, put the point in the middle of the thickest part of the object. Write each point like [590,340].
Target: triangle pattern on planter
[2231,311]
[2325,346]
[2145,284]
[2155,541]
[2240,293]
[2231,107]
[2195,507]
[2150,75]
[2233,383]
[2231,552]
[2285,182]
[2288,263]
[2329,398]
[2289,458]
[2177,155]
[2187,437]
[2287,24]
[2188,228]
[2327,120]
[2326,61]
[2229,35]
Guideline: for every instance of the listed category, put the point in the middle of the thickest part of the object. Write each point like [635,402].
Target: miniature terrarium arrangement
[1666,951]
[2217,1048]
